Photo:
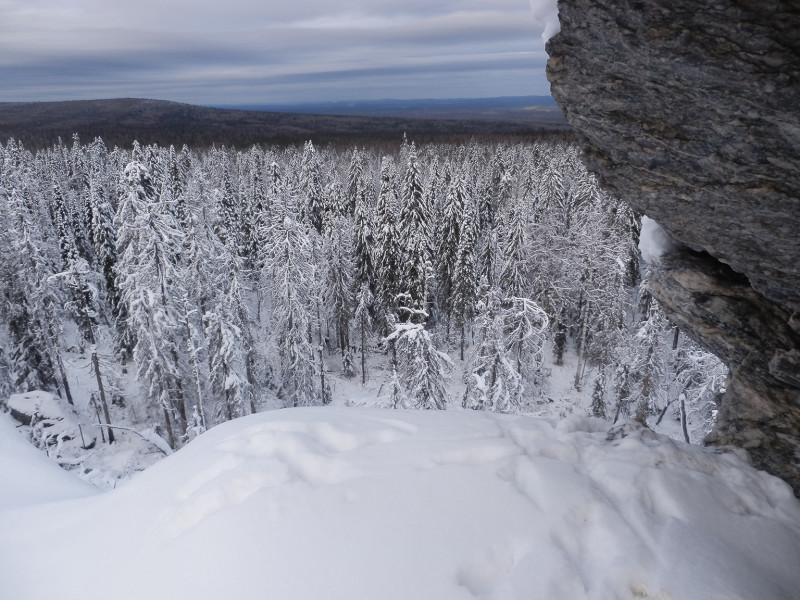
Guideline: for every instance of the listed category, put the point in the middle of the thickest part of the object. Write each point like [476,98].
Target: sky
[271,51]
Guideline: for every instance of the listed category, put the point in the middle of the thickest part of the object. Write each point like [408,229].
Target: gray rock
[760,410]
[690,111]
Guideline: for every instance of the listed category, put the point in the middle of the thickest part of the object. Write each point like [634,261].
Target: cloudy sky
[263,51]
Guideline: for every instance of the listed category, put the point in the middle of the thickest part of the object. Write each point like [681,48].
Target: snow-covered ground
[363,503]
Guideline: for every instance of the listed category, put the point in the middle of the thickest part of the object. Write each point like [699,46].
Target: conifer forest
[175,289]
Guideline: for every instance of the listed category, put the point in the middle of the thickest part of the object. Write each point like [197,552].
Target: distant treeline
[39,125]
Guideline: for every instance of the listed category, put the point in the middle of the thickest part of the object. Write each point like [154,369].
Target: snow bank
[654,241]
[28,477]
[339,503]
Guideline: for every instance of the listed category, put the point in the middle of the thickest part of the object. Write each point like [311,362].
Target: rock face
[690,111]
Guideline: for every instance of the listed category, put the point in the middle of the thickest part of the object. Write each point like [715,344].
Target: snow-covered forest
[170,290]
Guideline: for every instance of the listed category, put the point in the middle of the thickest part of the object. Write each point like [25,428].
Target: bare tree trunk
[641,409]
[363,351]
[251,379]
[190,348]
[168,409]
[582,343]
[102,391]
[683,419]
[63,374]
[321,356]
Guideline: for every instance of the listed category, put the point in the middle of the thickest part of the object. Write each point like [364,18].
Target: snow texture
[654,241]
[347,503]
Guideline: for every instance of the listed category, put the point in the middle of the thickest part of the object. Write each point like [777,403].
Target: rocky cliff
[690,111]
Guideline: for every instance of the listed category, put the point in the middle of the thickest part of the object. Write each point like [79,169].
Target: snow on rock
[75,441]
[546,14]
[36,404]
[345,503]
[28,477]
[654,241]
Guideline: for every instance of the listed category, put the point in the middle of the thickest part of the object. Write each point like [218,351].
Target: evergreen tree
[389,250]
[148,241]
[102,224]
[227,354]
[598,396]
[311,188]
[291,271]
[525,325]
[64,227]
[492,382]
[450,240]
[465,275]
[356,183]
[364,242]
[29,306]
[423,368]
[513,276]
[364,301]
[414,233]
[339,280]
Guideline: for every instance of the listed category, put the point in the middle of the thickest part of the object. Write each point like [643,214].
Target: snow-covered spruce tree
[227,353]
[601,258]
[422,368]
[492,382]
[227,207]
[364,234]
[465,275]
[27,311]
[102,221]
[312,207]
[195,352]
[513,278]
[148,242]
[449,241]
[253,210]
[356,183]
[64,227]
[291,278]
[525,325]
[388,249]
[598,406]
[229,275]
[337,244]
[33,304]
[414,227]
[173,186]
[363,321]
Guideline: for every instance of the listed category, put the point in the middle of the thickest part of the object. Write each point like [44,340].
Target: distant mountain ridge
[510,108]
[120,121]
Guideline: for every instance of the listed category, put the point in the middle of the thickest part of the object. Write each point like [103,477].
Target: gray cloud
[242,51]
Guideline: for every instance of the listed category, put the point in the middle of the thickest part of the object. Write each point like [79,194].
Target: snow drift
[342,503]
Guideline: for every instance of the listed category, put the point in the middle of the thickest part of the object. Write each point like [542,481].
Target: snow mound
[345,503]
[28,477]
